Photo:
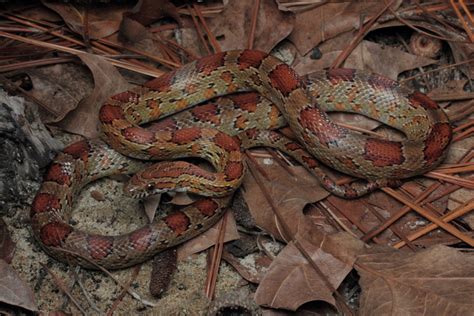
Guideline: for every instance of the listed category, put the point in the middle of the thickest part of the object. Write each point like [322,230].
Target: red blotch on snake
[141,238]
[99,246]
[284,79]
[381,82]
[109,113]
[233,170]
[314,120]
[419,99]
[207,65]
[162,83]
[79,150]
[177,222]
[338,74]
[207,113]
[439,137]
[251,58]
[44,202]
[127,96]
[226,142]
[383,153]
[54,234]
[138,135]
[186,135]
[56,173]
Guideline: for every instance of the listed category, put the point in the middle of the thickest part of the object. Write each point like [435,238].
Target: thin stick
[210,36]
[463,209]
[216,259]
[63,288]
[395,217]
[119,298]
[358,38]
[254,24]
[448,227]
[73,51]
[101,268]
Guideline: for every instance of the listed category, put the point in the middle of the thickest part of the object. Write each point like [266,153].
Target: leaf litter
[315,260]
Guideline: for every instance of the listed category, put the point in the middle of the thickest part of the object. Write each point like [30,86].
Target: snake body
[217,132]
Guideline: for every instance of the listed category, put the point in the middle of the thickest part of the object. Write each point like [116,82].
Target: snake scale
[260,94]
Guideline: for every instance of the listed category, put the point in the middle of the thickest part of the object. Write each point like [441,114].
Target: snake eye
[150,187]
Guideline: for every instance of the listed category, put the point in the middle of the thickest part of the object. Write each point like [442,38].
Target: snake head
[139,189]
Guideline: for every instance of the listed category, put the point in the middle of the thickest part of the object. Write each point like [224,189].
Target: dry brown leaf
[148,11]
[209,238]
[291,281]
[289,193]
[368,56]
[373,57]
[102,20]
[13,290]
[327,21]
[7,246]
[437,281]
[232,26]
[151,204]
[84,120]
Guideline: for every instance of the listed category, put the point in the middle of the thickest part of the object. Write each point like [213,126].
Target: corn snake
[194,133]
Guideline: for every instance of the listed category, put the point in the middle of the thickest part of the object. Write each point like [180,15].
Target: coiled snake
[244,121]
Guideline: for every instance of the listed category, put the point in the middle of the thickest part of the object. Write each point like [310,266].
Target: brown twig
[359,37]
[216,259]
[73,51]
[461,210]
[398,214]
[127,285]
[448,227]
[253,27]
[60,284]
[210,36]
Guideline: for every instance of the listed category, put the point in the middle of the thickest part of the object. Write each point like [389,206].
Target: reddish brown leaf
[330,19]
[289,193]
[232,26]
[13,290]
[102,20]
[368,56]
[84,120]
[291,281]
[437,281]
[209,238]
[7,246]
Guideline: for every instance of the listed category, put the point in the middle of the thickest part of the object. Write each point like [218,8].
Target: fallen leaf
[437,281]
[331,19]
[148,11]
[151,204]
[102,20]
[232,26]
[289,193]
[373,57]
[368,56]
[84,119]
[13,290]
[7,246]
[209,238]
[291,281]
